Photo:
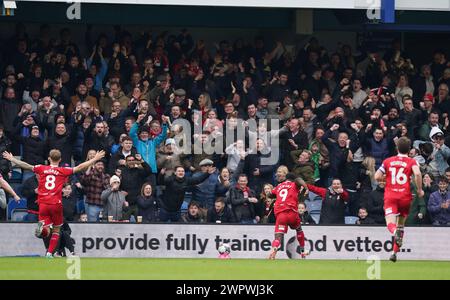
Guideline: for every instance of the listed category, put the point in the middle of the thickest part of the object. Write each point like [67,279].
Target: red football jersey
[398,170]
[50,184]
[287,196]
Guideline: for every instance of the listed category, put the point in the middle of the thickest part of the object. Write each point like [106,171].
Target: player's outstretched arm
[21,164]
[83,166]
[5,185]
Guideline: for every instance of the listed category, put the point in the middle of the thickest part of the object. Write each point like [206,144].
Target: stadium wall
[201,241]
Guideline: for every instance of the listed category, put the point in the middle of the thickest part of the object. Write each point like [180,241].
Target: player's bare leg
[53,241]
[301,242]
[276,245]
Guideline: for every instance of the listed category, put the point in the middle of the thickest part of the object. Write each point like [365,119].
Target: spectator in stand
[375,203]
[244,202]
[146,145]
[402,89]
[133,177]
[114,203]
[295,138]
[175,187]
[364,218]
[359,95]
[147,204]
[94,182]
[268,201]
[305,217]
[168,157]
[260,172]
[425,129]
[303,166]
[443,101]
[119,158]
[63,141]
[441,153]
[220,213]
[439,204]
[194,214]
[29,192]
[333,202]
[204,193]
[411,115]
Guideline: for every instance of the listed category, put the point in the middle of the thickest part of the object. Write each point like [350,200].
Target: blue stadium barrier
[18,214]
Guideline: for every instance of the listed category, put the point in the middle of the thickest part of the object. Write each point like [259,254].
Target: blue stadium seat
[13,205]
[351,220]
[18,214]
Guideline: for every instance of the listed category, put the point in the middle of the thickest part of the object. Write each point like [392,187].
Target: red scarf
[245,190]
[155,133]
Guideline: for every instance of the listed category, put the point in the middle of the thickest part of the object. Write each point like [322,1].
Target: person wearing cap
[33,148]
[204,193]
[441,152]
[168,158]
[114,203]
[427,106]
[425,129]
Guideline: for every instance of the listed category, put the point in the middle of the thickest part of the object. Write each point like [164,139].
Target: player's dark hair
[220,199]
[403,145]
[443,179]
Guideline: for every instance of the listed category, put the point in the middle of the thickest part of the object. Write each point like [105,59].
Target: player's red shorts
[287,218]
[398,207]
[51,214]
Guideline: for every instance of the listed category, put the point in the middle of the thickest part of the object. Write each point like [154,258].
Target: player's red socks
[276,244]
[301,238]
[391,227]
[53,242]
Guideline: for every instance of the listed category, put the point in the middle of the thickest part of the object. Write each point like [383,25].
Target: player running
[50,183]
[397,171]
[286,210]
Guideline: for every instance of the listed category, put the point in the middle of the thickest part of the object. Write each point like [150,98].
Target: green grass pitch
[210,269]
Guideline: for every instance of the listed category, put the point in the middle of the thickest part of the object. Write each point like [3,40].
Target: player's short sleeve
[37,169]
[382,168]
[66,171]
[275,191]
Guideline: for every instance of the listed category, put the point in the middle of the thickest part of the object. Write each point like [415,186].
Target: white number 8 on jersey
[50,182]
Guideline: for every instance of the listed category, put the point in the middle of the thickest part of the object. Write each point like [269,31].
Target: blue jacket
[98,80]
[148,148]
[439,215]
[205,192]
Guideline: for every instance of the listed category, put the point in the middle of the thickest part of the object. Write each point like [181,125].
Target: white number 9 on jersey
[283,194]
[50,182]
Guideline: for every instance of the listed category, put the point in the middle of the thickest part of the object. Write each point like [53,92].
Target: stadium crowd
[339,117]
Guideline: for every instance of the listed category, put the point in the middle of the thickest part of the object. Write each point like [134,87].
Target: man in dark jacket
[33,151]
[259,173]
[133,177]
[95,138]
[375,202]
[293,139]
[62,141]
[176,186]
[243,202]
[333,202]
[118,159]
[220,213]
